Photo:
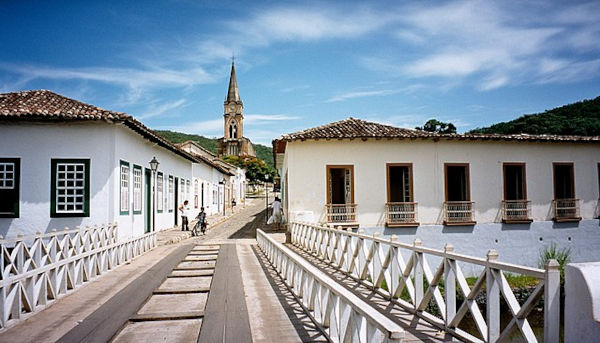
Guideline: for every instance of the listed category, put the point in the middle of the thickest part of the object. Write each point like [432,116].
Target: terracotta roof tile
[44,105]
[352,128]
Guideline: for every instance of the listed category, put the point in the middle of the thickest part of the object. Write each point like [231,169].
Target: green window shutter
[69,187]
[10,184]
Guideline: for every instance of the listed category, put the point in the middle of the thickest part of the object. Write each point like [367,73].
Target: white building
[216,182]
[513,193]
[64,163]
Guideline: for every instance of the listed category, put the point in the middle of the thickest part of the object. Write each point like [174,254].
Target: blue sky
[302,64]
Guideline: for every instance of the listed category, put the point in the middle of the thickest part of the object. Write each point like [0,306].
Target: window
[514,181]
[181,191]
[458,208]
[137,189]
[196,193]
[457,182]
[566,206]
[340,206]
[10,172]
[124,187]
[400,208]
[70,184]
[399,182]
[159,193]
[564,183]
[340,188]
[515,207]
[187,190]
[171,193]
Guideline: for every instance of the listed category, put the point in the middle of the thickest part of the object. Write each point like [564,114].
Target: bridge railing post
[418,272]
[449,284]
[552,302]
[492,298]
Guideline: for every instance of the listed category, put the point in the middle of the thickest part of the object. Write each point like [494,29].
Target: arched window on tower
[232,131]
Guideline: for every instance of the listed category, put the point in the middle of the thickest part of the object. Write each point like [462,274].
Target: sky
[307,63]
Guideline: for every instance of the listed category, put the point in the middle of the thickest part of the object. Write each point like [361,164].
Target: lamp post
[223,182]
[266,199]
[154,167]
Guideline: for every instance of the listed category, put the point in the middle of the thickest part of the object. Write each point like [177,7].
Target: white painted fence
[343,316]
[379,263]
[41,268]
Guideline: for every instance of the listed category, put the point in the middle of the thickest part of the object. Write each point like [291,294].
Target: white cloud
[361,94]
[161,109]
[259,118]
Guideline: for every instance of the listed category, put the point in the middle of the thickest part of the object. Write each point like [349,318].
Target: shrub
[562,256]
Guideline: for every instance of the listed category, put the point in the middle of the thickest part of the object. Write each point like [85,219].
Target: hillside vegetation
[264,153]
[580,118]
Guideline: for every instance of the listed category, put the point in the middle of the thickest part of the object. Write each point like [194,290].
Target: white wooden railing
[38,269]
[516,210]
[341,213]
[566,209]
[380,263]
[458,213]
[401,214]
[342,315]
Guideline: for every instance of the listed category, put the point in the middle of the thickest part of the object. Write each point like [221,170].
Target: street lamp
[223,182]
[154,167]
[267,199]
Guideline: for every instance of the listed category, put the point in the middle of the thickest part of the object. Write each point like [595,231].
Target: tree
[434,125]
[257,170]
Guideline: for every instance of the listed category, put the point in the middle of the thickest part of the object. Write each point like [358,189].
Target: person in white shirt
[184,209]
[277,214]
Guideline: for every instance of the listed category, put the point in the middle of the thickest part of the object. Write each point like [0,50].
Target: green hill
[262,152]
[580,118]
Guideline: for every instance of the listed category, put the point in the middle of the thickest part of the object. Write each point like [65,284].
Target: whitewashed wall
[133,148]
[36,145]
[305,163]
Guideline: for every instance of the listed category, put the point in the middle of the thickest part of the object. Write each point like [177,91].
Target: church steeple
[233,93]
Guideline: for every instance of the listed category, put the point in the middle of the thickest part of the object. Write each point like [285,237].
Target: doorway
[148,196]
[176,200]
[340,185]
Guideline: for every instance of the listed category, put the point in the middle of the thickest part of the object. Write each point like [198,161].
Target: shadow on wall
[5,223]
[61,224]
[515,227]
[458,229]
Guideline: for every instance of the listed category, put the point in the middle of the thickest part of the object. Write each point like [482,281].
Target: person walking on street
[184,209]
[277,214]
[201,217]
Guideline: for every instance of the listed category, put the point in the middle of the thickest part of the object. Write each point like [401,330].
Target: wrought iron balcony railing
[514,211]
[401,214]
[340,213]
[566,210]
[458,213]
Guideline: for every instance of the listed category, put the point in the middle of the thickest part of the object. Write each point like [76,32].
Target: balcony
[341,214]
[458,213]
[401,214]
[516,211]
[566,210]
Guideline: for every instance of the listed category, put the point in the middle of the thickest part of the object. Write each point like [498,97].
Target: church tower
[234,119]
[233,142]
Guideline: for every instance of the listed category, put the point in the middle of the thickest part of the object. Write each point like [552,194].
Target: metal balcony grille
[401,213]
[341,213]
[566,209]
[458,212]
[516,210]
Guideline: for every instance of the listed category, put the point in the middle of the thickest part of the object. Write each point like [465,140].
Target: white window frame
[159,193]
[70,190]
[137,189]
[124,182]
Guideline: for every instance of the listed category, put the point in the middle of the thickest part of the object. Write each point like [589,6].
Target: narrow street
[216,287]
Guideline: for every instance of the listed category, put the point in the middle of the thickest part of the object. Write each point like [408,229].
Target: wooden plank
[226,315]
[102,324]
[182,291]
[167,316]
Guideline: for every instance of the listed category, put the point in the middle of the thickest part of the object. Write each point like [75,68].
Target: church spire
[233,94]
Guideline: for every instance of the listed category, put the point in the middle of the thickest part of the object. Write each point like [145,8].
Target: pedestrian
[201,217]
[277,214]
[184,209]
